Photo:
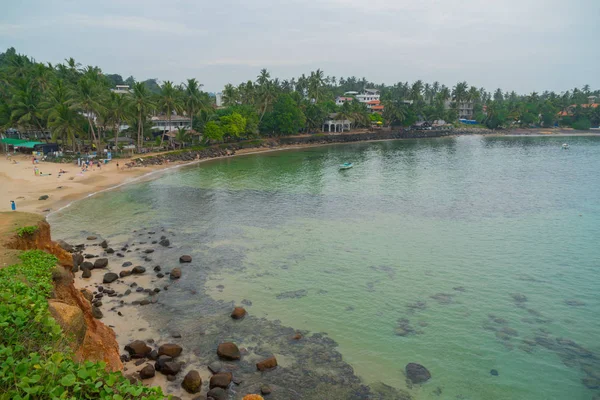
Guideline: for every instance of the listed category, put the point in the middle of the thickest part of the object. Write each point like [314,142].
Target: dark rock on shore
[101,263]
[77,259]
[86,265]
[126,264]
[265,389]
[104,244]
[138,270]
[215,367]
[110,250]
[222,380]
[238,313]
[228,351]
[110,277]
[65,246]
[169,349]
[97,313]
[86,273]
[217,394]
[149,251]
[417,373]
[44,197]
[266,364]
[165,243]
[87,294]
[185,259]
[124,273]
[92,237]
[138,349]
[160,362]
[192,382]
[175,273]
[170,368]
[147,372]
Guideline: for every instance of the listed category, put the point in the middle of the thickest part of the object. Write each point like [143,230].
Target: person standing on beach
[117,165]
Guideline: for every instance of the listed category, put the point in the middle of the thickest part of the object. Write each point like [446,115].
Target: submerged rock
[265,364]
[228,351]
[293,294]
[165,243]
[175,273]
[185,259]
[222,380]
[494,372]
[417,373]
[238,313]
[217,394]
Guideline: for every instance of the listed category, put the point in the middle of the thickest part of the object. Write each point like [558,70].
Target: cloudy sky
[521,45]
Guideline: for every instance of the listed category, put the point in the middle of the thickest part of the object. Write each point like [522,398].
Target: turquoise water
[462,254]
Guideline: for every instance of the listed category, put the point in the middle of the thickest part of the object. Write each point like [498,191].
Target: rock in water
[238,313]
[265,389]
[92,237]
[215,367]
[175,273]
[217,394]
[104,244]
[494,372]
[222,380]
[101,263]
[268,363]
[126,264]
[417,373]
[138,349]
[147,372]
[171,368]
[65,246]
[185,259]
[192,382]
[165,243]
[169,349]
[110,277]
[228,351]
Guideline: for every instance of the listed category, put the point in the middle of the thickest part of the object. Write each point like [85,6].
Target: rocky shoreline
[224,353]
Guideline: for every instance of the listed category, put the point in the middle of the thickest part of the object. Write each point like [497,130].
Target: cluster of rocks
[186,156]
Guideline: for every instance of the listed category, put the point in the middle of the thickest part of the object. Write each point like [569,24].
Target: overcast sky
[521,45]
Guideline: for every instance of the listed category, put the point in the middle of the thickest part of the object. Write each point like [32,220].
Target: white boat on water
[346,166]
[565,146]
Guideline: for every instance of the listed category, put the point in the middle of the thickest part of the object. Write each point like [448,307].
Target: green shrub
[35,359]
[582,124]
[26,231]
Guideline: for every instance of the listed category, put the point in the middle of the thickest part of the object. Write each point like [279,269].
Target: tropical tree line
[75,104]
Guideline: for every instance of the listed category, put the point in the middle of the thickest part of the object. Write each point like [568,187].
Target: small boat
[347,165]
[565,146]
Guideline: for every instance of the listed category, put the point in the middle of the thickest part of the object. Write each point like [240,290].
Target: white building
[464,108]
[219,99]
[333,124]
[161,123]
[368,95]
[121,89]
[340,100]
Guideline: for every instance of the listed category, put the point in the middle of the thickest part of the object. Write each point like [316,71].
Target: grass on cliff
[35,363]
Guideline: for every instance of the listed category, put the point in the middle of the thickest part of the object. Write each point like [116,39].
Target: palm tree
[266,91]
[394,112]
[459,93]
[65,123]
[119,110]
[169,102]
[26,105]
[142,105]
[87,98]
[315,84]
[230,95]
[182,136]
[193,99]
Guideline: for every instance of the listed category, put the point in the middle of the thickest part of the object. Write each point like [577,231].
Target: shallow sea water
[462,254]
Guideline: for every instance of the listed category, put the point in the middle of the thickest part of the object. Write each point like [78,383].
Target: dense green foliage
[26,231]
[76,105]
[35,360]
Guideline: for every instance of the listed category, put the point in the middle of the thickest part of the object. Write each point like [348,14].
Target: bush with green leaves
[26,231]
[35,358]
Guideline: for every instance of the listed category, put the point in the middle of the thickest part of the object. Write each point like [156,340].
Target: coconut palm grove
[75,106]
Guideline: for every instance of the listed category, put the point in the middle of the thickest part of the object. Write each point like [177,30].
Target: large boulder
[86,265]
[138,349]
[417,373]
[97,313]
[70,318]
[217,394]
[192,382]
[110,277]
[104,244]
[175,273]
[161,361]
[238,313]
[65,246]
[171,368]
[147,372]
[169,349]
[228,351]
[101,263]
[266,364]
[77,259]
[86,273]
[222,380]
[185,259]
